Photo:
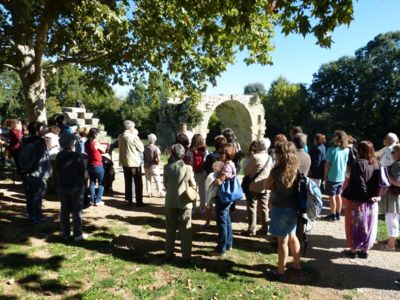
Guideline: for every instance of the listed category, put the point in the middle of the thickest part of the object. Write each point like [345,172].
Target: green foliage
[255,89]
[189,42]
[214,127]
[11,95]
[285,105]
[360,94]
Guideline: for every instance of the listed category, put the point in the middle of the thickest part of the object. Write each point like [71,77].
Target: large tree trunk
[29,43]
[35,97]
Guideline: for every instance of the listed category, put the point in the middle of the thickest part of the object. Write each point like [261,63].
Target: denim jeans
[224,225]
[71,202]
[96,173]
[35,190]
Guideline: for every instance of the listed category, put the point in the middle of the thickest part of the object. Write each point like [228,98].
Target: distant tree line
[359,94]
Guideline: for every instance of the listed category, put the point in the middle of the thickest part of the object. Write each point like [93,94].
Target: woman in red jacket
[16,135]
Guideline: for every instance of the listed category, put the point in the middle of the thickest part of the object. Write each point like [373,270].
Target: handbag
[230,191]
[247,180]
[190,194]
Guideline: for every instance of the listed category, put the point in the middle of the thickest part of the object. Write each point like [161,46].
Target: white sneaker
[83,236]
[100,203]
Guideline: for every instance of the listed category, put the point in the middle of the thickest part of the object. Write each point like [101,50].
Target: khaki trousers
[262,198]
[183,218]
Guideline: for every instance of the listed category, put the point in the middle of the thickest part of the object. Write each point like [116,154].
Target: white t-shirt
[52,143]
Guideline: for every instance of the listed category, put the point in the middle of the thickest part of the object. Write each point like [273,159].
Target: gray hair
[177,151]
[263,144]
[129,124]
[393,137]
[152,138]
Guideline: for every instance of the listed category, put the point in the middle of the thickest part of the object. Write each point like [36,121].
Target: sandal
[273,275]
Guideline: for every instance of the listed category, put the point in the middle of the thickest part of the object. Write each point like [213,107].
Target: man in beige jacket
[130,150]
[258,166]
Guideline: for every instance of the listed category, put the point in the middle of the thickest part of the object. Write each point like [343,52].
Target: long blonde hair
[288,162]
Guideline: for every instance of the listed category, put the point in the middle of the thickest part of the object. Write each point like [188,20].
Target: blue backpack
[310,198]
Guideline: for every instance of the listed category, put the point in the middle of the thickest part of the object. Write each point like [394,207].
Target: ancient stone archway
[243,113]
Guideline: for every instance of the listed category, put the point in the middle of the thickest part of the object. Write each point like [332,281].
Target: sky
[297,58]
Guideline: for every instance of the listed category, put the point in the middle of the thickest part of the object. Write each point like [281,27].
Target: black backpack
[352,156]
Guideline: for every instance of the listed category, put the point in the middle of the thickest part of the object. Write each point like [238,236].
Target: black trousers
[133,174]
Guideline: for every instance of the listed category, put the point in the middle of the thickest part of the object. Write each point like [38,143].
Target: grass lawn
[121,262]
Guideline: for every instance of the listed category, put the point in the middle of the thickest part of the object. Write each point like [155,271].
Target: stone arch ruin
[243,113]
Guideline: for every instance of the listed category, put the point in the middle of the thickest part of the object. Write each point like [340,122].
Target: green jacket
[130,149]
[174,182]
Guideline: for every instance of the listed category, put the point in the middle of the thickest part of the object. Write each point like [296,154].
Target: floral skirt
[361,224]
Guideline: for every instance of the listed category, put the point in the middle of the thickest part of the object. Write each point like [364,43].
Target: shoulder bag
[247,180]
[190,194]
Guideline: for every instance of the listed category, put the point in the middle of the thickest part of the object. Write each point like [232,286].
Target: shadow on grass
[13,263]
[150,251]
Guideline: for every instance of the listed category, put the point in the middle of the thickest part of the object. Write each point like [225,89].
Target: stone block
[79,122]
[74,109]
[93,121]
[71,115]
[88,115]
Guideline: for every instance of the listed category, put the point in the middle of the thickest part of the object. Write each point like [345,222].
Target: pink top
[94,155]
[228,169]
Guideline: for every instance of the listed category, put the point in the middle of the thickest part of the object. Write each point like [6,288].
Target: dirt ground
[335,275]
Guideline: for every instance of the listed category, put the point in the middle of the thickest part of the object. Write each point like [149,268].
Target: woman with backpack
[361,214]
[197,154]
[95,167]
[283,204]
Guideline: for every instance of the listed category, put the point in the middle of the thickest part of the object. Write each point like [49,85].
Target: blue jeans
[224,225]
[35,190]
[96,173]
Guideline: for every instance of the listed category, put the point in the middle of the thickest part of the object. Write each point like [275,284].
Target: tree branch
[12,67]
[78,59]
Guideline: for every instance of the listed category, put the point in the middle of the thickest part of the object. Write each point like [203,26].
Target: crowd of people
[73,164]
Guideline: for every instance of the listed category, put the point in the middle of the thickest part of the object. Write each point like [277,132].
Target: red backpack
[198,160]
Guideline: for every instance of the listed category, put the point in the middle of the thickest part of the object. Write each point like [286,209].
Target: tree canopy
[189,42]
[285,105]
[360,94]
[254,89]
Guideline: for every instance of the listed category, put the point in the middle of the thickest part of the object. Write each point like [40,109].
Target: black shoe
[273,275]
[141,204]
[350,254]
[361,254]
